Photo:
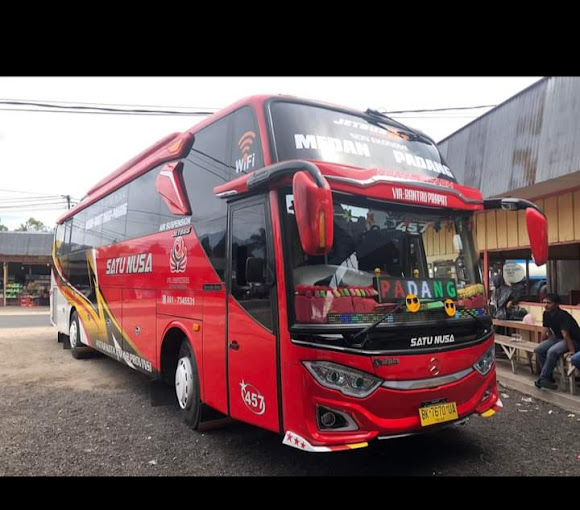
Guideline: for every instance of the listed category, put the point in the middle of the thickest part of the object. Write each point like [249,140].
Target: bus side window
[114,216]
[246,149]
[249,242]
[144,206]
[66,246]
[203,169]
[93,224]
[59,239]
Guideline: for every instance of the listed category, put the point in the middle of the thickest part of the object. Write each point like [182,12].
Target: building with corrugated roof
[527,147]
[26,262]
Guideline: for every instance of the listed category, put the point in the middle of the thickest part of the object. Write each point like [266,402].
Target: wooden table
[535,329]
[511,345]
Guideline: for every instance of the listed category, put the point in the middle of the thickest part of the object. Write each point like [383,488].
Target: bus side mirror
[169,185]
[255,270]
[536,222]
[314,214]
[537,226]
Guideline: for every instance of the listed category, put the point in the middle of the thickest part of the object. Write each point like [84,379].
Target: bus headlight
[484,364]
[349,381]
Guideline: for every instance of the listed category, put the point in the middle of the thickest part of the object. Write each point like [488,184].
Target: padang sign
[390,289]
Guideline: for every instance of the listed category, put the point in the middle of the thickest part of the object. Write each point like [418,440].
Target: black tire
[187,386]
[77,348]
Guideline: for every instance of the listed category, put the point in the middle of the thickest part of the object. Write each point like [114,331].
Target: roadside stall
[26,264]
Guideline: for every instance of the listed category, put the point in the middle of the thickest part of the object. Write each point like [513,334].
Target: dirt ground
[65,417]
[33,356]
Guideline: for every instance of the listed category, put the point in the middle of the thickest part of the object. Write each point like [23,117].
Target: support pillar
[528,277]
[486,274]
[4,280]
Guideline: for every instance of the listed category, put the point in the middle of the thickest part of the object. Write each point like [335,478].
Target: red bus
[276,264]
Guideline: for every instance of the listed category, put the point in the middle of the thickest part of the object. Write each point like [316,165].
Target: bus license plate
[439,413]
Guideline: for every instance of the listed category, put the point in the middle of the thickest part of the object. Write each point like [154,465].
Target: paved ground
[24,310]
[24,317]
[36,320]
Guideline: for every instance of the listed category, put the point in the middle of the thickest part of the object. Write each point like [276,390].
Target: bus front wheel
[187,385]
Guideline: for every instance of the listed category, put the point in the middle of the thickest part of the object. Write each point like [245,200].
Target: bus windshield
[383,255]
[304,131]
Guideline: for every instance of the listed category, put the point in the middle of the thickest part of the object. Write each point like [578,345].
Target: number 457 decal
[253,399]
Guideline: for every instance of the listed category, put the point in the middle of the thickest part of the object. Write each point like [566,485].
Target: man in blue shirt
[565,338]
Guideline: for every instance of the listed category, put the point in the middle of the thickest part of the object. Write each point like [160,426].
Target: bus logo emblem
[178,257]
[434,366]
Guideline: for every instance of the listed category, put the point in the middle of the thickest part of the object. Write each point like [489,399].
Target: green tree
[3,228]
[32,225]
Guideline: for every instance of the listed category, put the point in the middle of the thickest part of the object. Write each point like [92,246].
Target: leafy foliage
[33,225]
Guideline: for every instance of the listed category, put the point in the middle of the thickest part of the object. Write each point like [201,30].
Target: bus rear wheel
[77,348]
[187,386]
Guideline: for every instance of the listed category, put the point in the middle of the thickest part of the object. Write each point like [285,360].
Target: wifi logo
[248,158]
[245,143]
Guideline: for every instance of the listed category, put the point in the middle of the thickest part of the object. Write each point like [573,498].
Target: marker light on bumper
[349,381]
[484,364]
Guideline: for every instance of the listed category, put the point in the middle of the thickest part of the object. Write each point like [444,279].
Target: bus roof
[152,156]
[174,146]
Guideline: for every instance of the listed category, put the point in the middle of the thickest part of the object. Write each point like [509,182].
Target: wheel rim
[73,334]
[184,382]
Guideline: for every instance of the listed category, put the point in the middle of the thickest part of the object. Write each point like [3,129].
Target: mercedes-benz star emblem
[434,366]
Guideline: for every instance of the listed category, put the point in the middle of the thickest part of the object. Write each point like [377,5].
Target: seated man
[575,360]
[565,338]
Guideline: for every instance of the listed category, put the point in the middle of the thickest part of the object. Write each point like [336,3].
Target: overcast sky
[67,153]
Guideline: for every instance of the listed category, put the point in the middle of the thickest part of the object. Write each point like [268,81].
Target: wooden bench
[511,345]
[569,371]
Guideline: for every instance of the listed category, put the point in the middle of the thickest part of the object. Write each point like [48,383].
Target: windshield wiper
[371,327]
[413,135]
[376,113]
[479,321]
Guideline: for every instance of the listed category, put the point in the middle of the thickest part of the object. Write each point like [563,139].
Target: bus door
[251,326]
